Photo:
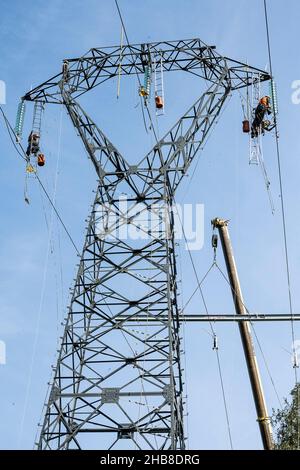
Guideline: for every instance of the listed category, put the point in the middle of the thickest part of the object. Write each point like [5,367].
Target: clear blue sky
[34,39]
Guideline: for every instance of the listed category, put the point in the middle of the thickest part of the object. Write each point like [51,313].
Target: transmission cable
[280,181]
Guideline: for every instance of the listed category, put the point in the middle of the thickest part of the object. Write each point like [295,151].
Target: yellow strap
[264,418]
[30,169]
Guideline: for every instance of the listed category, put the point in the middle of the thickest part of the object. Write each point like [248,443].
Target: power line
[279,172]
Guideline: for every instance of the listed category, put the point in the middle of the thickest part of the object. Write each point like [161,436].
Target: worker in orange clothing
[258,124]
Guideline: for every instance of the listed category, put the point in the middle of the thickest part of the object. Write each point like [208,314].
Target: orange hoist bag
[41,159]
[246,126]
[159,102]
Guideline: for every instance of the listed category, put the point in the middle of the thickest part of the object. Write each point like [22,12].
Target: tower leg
[118,385]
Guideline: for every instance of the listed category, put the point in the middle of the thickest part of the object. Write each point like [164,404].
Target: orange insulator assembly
[246,126]
[159,102]
[41,159]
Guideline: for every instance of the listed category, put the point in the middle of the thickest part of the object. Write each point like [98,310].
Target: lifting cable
[283,224]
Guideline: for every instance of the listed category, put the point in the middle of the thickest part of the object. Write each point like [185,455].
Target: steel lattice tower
[110,378]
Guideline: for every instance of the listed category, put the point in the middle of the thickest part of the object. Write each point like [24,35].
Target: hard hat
[264,100]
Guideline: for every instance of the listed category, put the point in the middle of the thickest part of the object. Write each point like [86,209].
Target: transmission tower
[116,385]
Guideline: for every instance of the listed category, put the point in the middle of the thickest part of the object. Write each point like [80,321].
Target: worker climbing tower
[255,143]
[117,382]
[260,106]
[33,148]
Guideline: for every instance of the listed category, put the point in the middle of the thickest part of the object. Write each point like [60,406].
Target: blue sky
[34,39]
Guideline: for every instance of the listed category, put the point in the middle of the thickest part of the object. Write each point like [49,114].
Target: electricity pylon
[114,381]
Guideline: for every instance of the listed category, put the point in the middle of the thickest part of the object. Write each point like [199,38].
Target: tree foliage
[286,422]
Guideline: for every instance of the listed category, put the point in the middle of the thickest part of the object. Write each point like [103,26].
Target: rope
[283,221]
[265,176]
